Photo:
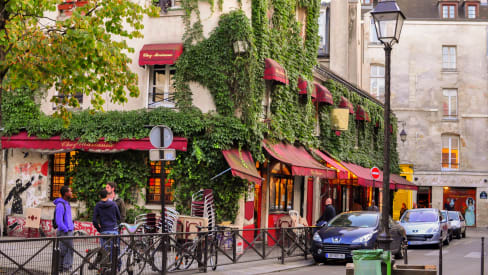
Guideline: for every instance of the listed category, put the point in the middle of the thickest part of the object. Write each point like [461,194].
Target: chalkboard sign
[483,195]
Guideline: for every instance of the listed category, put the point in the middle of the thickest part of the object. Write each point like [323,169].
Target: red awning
[242,165]
[402,183]
[302,163]
[363,174]
[302,86]
[160,54]
[361,114]
[22,140]
[346,104]
[274,71]
[342,173]
[323,94]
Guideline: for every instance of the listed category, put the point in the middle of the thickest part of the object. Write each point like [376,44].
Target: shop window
[449,104]
[281,189]
[449,57]
[153,191]
[450,152]
[60,164]
[377,81]
[161,86]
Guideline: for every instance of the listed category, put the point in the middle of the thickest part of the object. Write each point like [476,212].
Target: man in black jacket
[106,218]
[329,212]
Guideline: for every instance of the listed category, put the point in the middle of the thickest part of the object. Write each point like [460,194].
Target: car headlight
[364,238]
[434,229]
[316,237]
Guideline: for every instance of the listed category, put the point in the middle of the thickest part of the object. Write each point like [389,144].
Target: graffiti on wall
[27,175]
[16,228]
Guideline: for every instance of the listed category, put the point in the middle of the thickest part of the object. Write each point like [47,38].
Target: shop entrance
[424,197]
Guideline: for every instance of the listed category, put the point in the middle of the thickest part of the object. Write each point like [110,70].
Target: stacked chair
[152,223]
[202,205]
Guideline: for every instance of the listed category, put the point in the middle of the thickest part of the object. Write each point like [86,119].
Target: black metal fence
[152,253]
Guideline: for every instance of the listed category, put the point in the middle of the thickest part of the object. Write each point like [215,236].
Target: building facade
[438,84]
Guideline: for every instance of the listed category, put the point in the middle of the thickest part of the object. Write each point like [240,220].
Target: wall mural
[16,228]
[28,174]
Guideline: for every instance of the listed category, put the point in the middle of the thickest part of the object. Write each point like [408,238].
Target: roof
[429,10]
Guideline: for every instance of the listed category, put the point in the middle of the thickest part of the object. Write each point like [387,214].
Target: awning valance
[274,71]
[402,183]
[301,162]
[160,54]
[242,165]
[22,140]
[361,114]
[364,176]
[341,171]
[323,94]
[302,86]
[346,104]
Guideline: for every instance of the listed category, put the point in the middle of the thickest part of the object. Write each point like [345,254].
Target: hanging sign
[340,119]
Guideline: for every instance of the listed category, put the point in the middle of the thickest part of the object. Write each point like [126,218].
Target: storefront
[462,200]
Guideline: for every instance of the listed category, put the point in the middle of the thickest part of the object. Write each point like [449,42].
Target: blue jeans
[107,244]
[65,250]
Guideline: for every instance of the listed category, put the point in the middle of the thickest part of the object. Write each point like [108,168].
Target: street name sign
[162,154]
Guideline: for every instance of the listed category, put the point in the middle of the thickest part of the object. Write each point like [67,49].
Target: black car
[354,230]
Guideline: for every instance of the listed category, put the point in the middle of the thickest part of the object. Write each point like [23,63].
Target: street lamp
[403,133]
[388,21]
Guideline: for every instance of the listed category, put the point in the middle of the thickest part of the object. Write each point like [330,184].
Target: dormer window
[472,11]
[448,11]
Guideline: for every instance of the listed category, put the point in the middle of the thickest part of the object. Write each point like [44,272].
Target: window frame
[451,64]
[373,36]
[275,204]
[450,166]
[168,90]
[376,93]
[366,2]
[154,197]
[450,116]
[78,96]
[324,49]
[61,174]
[450,8]
[468,6]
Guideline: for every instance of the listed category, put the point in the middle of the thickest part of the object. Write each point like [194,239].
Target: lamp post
[388,21]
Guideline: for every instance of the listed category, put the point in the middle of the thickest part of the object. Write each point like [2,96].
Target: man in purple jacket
[65,228]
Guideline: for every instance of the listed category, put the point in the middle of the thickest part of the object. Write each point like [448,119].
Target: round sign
[375,173]
[161,136]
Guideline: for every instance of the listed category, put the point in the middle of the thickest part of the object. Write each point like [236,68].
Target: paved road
[460,257]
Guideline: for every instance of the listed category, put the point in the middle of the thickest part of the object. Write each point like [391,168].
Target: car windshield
[420,216]
[453,216]
[355,220]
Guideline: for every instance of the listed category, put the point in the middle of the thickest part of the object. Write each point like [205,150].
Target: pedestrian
[65,225]
[106,217]
[404,208]
[373,206]
[357,206]
[414,205]
[329,212]
[111,188]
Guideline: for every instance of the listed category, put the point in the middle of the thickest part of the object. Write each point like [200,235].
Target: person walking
[329,212]
[106,218]
[373,206]
[404,208]
[64,221]
[111,187]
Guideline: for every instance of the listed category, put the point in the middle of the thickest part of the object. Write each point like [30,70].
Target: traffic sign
[162,154]
[161,136]
[375,173]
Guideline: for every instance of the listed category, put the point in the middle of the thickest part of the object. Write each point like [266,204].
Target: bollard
[264,243]
[440,256]
[305,239]
[234,246]
[405,257]
[482,255]
[55,262]
[282,245]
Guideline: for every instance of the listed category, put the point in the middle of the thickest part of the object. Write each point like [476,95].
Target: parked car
[449,228]
[425,226]
[458,225]
[354,230]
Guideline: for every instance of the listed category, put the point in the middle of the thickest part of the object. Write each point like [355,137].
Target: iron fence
[159,253]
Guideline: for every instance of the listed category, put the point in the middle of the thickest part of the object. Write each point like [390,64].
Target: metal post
[482,255]
[264,243]
[282,245]
[55,262]
[384,238]
[440,256]
[234,246]
[205,253]
[114,254]
[162,194]
[405,258]
[305,239]
[164,252]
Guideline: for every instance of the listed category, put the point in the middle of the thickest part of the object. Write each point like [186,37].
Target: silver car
[458,225]
[425,226]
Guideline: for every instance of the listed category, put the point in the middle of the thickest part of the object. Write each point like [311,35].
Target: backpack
[55,225]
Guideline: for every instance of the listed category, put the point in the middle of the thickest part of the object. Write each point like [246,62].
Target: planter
[401,269]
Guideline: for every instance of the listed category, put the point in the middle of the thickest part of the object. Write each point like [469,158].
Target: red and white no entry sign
[375,173]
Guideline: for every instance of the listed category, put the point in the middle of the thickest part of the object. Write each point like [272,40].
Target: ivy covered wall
[236,84]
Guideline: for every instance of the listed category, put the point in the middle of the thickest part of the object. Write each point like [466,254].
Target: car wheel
[458,235]
[318,260]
